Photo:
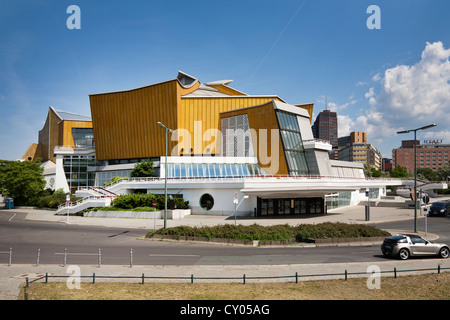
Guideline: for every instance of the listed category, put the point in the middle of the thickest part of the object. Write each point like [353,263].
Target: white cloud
[417,94]
[443,135]
[345,125]
[360,83]
[333,106]
[369,94]
[410,97]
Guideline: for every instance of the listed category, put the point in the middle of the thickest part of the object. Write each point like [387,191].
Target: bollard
[93,278]
[345,274]
[131,258]
[99,258]
[439,268]
[38,255]
[243,279]
[296,277]
[10,257]
[395,273]
[143,278]
[192,278]
[65,257]
[46,277]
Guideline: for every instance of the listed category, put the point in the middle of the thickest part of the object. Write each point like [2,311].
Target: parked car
[407,245]
[439,209]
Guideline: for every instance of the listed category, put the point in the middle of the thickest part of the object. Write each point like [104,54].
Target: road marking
[12,217]
[174,255]
[77,254]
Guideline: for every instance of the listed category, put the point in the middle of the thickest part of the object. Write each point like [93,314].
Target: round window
[206,201]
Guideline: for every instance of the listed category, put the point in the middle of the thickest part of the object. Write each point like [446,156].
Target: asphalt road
[121,246]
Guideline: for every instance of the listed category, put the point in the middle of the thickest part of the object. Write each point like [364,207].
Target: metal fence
[97,255]
[244,278]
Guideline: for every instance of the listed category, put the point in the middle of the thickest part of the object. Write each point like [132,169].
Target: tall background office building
[326,128]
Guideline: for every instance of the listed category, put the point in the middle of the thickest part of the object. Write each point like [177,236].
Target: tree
[371,172]
[399,172]
[22,180]
[427,174]
[444,172]
[143,169]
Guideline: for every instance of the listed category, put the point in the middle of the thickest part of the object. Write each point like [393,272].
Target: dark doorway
[289,206]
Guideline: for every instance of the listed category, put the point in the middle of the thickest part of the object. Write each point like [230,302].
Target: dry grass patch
[417,287]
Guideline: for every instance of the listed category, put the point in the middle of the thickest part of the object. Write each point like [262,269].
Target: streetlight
[165,174]
[415,167]
[236,205]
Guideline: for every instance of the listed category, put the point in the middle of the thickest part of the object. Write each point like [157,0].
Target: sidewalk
[13,277]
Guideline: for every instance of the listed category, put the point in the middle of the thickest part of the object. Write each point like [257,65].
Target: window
[213,170]
[207,201]
[292,143]
[83,137]
[75,169]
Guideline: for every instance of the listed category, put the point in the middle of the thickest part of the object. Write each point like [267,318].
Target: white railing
[84,200]
[237,178]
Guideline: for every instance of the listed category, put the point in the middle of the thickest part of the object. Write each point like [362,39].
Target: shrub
[54,200]
[135,200]
[144,209]
[229,231]
[130,201]
[113,180]
[329,230]
[277,232]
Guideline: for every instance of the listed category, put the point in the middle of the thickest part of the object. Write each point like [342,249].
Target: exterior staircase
[93,197]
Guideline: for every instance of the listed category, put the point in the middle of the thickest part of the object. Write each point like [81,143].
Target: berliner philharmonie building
[227,152]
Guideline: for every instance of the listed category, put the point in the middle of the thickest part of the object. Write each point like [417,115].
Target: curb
[253,243]
[257,243]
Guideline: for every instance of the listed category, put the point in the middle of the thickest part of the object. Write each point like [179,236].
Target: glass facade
[75,169]
[83,137]
[341,199]
[292,143]
[104,177]
[213,170]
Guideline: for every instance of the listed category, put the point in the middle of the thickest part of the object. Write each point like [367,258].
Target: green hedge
[135,200]
[328,230]
[275,233]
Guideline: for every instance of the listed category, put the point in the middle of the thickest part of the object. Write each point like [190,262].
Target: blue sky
[379,81]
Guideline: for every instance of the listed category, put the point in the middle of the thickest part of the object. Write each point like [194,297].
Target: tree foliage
[399,172]
[21,180]
[426,174]
[143,169]
[444,172]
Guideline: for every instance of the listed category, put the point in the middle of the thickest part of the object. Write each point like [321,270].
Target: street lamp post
[415,166]
[236,205]
[165,174]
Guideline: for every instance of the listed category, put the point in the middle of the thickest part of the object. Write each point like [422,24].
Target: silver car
[408,245]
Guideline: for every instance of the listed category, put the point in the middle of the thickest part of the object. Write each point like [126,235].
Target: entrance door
[316,205]
[267,207]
